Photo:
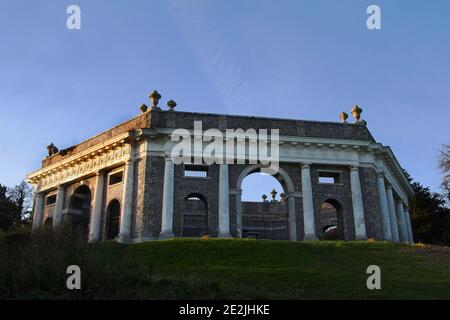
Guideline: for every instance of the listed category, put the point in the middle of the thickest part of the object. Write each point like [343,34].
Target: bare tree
[22,196]
[444,165]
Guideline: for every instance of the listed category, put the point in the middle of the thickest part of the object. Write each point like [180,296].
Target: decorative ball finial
[171,104]
[264,197]
[143,107]
[154,99]
[283,196]
[343,116]
[356,113]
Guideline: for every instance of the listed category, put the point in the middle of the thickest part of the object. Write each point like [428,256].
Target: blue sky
[290,59]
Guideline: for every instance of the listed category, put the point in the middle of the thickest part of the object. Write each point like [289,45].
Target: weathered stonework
[144,143]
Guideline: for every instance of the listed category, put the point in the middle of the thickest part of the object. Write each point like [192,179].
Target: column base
[310,237]
[224,235]
[121,238]
[360,238]
[93,238]
[166,236]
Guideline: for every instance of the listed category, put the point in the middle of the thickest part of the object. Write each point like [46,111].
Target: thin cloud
[219,65]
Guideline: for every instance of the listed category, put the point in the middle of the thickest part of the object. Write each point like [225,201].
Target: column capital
[380,173]
[40,194]
[236,191]
[354,168]
[129,162]
[60,187]
[305,165]
[293,194]
[388,186]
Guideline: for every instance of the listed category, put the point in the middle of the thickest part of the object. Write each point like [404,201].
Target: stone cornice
[101,150]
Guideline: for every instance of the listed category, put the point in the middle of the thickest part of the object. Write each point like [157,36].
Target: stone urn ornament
[274,194]
[171,104]
[356,113]
[52,149]
[264,197]
[343,116]
[154,99]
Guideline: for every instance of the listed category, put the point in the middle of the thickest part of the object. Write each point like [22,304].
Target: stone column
[392,216]
[224,202]
[94,234]
[384,210]
[402,222]
[357,202]
[167,205]
[127,203]
[38,214]
[291,217]
[239,213]
[308,206]
[58,213]
[408,226]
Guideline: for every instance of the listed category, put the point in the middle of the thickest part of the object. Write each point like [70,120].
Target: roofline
[206,114]
[392,156]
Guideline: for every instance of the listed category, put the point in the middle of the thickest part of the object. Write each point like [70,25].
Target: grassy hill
[222,269]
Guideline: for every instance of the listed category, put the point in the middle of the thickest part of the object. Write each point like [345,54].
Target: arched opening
[79,208]
[265,206]
[257,184]
[113,220]
[331,227]
[195,216]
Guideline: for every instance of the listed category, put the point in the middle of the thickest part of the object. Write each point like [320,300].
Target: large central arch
[288,186]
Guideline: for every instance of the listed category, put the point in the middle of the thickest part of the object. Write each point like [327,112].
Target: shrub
[34,267]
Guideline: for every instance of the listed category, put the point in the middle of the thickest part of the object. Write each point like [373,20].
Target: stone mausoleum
[122,184]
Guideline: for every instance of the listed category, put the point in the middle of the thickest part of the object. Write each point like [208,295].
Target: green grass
[229,269]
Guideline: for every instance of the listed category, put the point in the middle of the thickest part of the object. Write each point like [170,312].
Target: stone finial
[283,196]
[264,197]
[171,104]
[356,113]
[143,107]
[274,194]
[154,99]
[343,116]
[52,149]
